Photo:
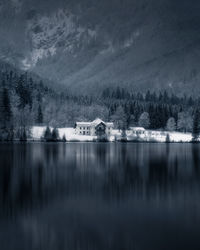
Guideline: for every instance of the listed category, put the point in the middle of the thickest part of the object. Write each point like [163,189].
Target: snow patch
[48,34]
[129,42]
[159,136]
[38,132]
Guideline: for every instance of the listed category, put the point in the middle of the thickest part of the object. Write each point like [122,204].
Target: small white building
[138,130]
[95,128]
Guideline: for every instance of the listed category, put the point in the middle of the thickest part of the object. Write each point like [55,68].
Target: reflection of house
[95,128]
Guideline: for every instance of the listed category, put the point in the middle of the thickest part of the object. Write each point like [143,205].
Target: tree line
[156,111]
[26,102]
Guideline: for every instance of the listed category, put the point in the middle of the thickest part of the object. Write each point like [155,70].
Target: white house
[138,130]
[95,128]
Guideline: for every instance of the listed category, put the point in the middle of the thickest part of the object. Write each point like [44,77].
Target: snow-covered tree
[144,120]
[171,124]
[185,122]
[119,118]
[6,118]
[23,119]
[196,125]
[39,115]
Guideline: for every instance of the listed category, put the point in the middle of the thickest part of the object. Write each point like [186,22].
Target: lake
[78,196]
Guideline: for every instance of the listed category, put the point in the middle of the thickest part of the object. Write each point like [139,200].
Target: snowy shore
[147,136]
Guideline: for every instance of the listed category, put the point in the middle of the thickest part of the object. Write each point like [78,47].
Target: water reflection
[33,172]
[99,196]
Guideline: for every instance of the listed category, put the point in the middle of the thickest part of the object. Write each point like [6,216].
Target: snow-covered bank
[38,132]
[146,136]
[159,136]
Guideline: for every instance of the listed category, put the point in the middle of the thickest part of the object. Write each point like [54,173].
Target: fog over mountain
[86,45]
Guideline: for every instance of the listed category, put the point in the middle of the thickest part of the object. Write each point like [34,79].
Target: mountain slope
[87,45]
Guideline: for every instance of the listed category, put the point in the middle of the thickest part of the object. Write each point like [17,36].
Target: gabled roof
[100,124]
[138,128]
[97,121]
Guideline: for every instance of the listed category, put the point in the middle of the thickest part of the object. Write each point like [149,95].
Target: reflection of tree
[40,173]
[55,152]
[162,175]
[124,177]
[6,161]
[158,174]
[21,183]
[31,175]
[132,176]
[47,154]
[101,154]
[196,158]
[25,191]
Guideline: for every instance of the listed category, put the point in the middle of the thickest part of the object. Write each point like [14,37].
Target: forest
[27,102]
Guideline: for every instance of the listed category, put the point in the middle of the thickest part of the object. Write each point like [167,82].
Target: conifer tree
[171,124]
[120,118]
[196,125]
[23,135]
[64,138]
[55,134]
[6,125]
[167,140]
[39,115]
[184,123]
[48,134]
[144,120]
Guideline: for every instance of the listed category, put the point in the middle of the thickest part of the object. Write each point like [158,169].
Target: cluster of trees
[152,110]
[152,97]
[184,121]
[25,102]
[52,135]
[20,105]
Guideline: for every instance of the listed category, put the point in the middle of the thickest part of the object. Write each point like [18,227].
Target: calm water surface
[99,196]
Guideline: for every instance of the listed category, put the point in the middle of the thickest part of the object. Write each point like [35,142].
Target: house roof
[138,128]
[84,123]
[94,123]
[97,121]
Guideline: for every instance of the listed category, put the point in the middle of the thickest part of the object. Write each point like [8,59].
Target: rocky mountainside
[87,45]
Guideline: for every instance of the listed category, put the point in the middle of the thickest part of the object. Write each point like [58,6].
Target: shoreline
[68,135]
[103,142]
[145,136]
